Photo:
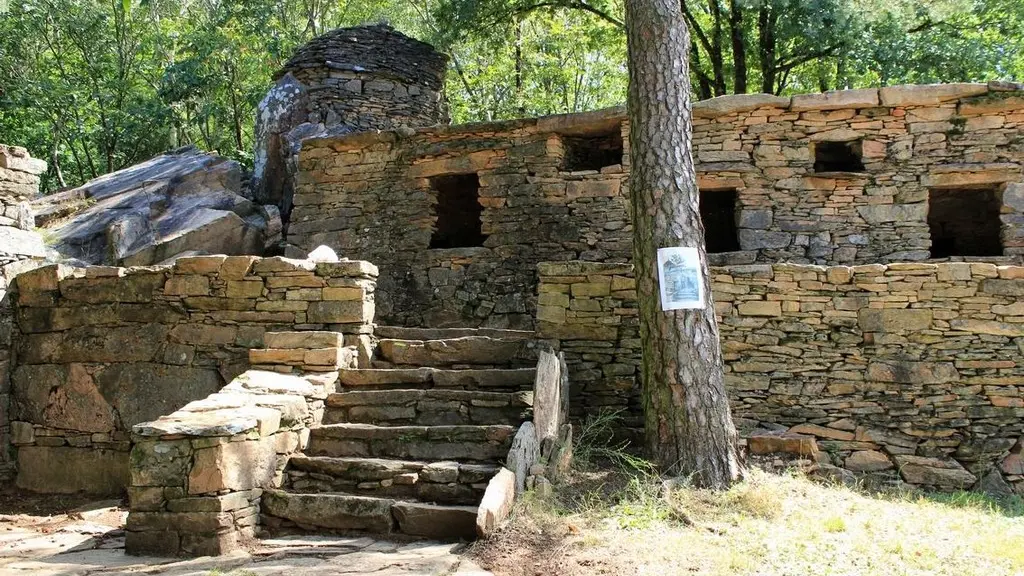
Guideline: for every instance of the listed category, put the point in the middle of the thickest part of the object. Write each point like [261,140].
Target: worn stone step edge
[402,397]
[439,377]
[461,432]
[341,511]
[383,468]
[413,333]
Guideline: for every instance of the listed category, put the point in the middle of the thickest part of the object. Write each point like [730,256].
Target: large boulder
[182,201]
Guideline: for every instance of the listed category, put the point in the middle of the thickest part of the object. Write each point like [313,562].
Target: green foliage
[96,85]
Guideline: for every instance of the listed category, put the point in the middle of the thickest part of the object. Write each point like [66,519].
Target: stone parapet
[198,474]
[882,366]
[101,349]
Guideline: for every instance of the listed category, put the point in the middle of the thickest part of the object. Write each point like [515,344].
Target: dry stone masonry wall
[378,197]
[904,173]
[905,370]
[101,349]
[20,249]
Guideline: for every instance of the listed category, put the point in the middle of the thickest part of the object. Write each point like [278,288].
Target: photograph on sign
[679,277]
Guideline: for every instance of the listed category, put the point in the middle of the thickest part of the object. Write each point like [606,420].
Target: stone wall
[373,196]
[198,474]
[347,80]
[101,349]
[835,178]
[20,249]
[905,370]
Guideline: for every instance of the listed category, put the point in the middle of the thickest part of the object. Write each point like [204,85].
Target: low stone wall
[20,249]
[101,349]
[198,474]
[899,369]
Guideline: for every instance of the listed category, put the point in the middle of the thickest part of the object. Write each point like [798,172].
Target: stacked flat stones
[20,249]
[371,77]
[901,372]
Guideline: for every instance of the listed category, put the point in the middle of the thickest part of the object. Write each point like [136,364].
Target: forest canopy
[96,85]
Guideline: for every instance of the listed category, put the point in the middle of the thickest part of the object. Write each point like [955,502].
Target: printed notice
[682,286]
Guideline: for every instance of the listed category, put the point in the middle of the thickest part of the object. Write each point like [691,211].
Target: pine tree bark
[688,428]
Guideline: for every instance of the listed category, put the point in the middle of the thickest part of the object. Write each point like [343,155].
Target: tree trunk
[689,430]
[766,46]
[739,48]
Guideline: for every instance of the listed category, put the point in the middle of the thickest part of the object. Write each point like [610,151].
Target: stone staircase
[408,444]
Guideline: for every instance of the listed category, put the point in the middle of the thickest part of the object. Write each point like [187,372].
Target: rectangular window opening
[718,213]
[592,152]
[964,222]
[839,156]
[458,212]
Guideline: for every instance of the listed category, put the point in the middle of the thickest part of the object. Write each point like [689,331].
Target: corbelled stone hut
[348,80]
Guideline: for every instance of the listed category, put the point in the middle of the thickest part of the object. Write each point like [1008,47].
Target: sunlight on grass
[616,513]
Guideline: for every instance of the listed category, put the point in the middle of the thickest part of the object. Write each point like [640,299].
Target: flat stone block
[66,470]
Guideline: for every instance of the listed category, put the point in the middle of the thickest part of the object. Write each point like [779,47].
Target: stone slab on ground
[91,543]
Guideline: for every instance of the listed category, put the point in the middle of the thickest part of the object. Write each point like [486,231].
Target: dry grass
[769,524]
[625,520]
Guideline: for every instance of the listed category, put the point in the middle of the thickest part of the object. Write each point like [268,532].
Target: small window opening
[718,212]
[839,156]
[964,222]
[592,152]
[458,212]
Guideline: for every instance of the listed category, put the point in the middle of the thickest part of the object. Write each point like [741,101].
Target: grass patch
[616,515]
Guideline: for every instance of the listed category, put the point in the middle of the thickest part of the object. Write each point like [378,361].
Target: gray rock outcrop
[184,201]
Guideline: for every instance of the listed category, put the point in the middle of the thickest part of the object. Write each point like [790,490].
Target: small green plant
[957,126]
[835,524]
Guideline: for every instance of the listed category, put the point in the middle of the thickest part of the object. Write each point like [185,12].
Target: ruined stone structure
[868,248]
[20,249]
[348,80]
[905,173]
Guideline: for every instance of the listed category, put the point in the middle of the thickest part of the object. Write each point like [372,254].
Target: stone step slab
[403,333]
[432,407]
[435,521]
[331,511]
[467,350]
[385,516]
[445,482]
[471,379]
[461,443]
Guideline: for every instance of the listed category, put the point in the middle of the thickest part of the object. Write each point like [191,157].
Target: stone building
[347,80]
[459,217]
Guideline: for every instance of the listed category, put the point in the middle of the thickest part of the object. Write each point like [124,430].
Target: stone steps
[408,443]
[462,443]
[445,482]
[431,407]
[403,333]
[456,352]
[347,512]
[503,379]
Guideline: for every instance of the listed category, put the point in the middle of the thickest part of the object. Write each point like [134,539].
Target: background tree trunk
[689,430]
